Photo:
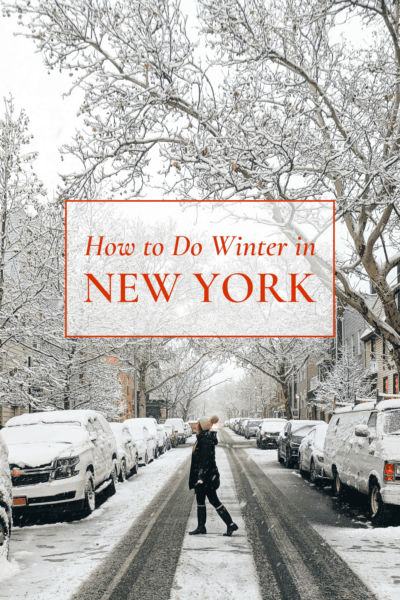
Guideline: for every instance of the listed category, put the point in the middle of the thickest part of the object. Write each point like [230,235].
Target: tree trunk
[142,394]
[288,409]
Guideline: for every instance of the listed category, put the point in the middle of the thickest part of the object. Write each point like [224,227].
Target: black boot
[201,520]
[227,519]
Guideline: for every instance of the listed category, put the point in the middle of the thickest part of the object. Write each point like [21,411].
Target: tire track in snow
[142,566]
[302,565]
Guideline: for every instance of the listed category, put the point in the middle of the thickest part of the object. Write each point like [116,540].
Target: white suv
[5,499]
[61,457]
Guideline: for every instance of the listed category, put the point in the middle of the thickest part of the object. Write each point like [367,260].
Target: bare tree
[280,110]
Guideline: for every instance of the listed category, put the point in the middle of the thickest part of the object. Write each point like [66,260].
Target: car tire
[89,502]
[136,467]
[122,472]
[111,489]
[313,474]
[146,459]
[301,470]
[280,459]
[378,510]
[156,453]
[5,530]
[288,460]
[337,486]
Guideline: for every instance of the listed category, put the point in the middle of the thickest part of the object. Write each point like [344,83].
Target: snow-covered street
[294,540]
[50,561]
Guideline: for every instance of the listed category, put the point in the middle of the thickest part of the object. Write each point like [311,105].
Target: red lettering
[124,287]
[126,252]
[94,245]
[206,287]
[271,287]
[161,284]
[113,249]
[299,287]
[178,238]
[223,240]
[226,291]
[106,294]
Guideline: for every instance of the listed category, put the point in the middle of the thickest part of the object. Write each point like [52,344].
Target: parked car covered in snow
[6,499]
[311,453]
[180,428]
[61,457]
[233,422]
[268,433]
[188,431]
[290,438]
[362,451]
[241,425]
[128,457]
[251,427]
[172,433]
[194,425]
[144,441]
[151,424]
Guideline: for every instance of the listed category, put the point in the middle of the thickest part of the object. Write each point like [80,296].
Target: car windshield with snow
[268,434]
[59,458]
[251,428]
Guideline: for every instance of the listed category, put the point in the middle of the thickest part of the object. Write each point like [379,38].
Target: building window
[396,383]
[372,348]
[384,357]
[359,342]
[385,385]
[353,348]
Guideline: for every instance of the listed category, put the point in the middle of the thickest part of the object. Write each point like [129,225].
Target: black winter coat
[203,465]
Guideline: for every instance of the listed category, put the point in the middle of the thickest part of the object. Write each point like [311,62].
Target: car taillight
[388,478]
[389,469]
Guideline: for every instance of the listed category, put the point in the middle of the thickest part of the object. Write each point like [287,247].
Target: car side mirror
[285,434]
[93,436]
[362,431]
[309,443]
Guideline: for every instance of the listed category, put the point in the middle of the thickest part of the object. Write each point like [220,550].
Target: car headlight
[320,457]
[65,467]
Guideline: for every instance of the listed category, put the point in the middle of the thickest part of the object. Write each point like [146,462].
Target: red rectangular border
[206,336]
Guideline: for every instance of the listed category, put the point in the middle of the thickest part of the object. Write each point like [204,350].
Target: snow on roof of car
[54,416]
[382,405]
[304,422]
[388,404]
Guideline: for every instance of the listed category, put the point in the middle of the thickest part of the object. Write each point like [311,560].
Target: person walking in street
[204,477]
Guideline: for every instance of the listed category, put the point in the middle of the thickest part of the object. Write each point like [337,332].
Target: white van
[362,451]
[180,428]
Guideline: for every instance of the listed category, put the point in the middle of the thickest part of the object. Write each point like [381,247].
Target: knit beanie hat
[205,423]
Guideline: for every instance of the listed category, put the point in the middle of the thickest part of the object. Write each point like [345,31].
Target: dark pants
[202,492]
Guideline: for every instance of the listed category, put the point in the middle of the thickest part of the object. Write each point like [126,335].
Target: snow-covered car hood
[43,453]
